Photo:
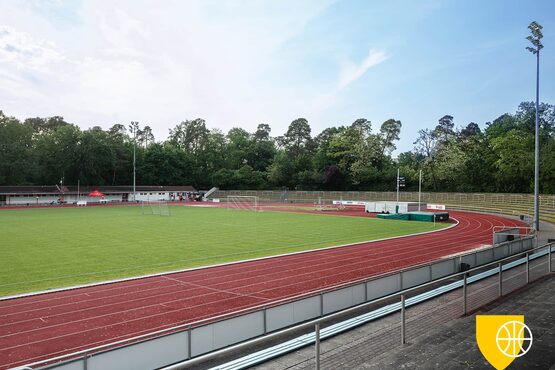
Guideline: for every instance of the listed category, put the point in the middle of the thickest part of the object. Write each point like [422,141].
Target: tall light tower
[535,39]
[134,125]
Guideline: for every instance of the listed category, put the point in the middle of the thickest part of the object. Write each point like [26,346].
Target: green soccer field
[49,248]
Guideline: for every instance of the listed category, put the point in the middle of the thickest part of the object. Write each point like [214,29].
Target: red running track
[47,325]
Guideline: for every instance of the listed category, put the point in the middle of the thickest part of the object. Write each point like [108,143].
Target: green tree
[515,163]
[190,136]
[16,151]
[58,155]
[238,148]
[46,126]
[145,137]
[263,149]
[96,157]
[389,134]
[297,140]
[425,145]
[166,165]
[215,154]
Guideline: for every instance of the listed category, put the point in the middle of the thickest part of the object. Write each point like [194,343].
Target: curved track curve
[47,325]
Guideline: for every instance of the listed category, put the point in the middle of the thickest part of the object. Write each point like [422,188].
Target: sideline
[75,287]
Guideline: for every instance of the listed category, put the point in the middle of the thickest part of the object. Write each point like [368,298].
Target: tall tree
[45,126]
[425,145]
[389,134]
[190,136]
[16,151]
[472,129]
[444,131]
[145,137]
[239,147]
[262,132]
[515,163]
[297,139]
[263,149]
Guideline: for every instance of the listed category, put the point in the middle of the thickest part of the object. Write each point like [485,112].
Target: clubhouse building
[55,195]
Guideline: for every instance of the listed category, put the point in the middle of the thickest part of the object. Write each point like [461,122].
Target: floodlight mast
[397,186]
[535,38]
[420,190]
[134,125]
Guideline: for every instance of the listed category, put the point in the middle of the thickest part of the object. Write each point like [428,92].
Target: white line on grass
[30,294]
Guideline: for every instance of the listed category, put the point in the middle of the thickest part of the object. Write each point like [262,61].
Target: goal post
[158,208]
[321,205]
[245,202]
[164,209]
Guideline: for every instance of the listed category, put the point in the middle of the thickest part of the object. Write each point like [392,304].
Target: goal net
[321,205]
[245,202]
[158,208]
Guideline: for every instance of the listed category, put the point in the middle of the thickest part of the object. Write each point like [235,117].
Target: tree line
[356,156]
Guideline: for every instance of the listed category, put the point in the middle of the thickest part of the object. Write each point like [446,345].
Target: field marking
[333,270]
[186,283]
[307,247]
[404,246]
[78,348]
[73,287]
[466,229]
[431,250]
[161,267]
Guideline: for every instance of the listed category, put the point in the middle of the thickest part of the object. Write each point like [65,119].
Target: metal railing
[546,200]
[489,202]
[425,270]
[499,267]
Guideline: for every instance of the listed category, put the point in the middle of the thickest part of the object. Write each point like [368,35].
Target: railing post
[366,291]
[317,344]
[264,318]
[527,268]
[549,257]
[464,294]
[85,361]
[403,341]
[500,279]
[189,344]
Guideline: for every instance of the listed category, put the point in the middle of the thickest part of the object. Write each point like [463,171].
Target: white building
[52,195]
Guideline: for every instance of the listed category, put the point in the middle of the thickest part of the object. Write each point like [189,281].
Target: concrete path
[441,342]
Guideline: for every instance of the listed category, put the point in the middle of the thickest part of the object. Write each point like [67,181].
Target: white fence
[547,201]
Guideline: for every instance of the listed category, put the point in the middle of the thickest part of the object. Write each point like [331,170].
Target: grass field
[49,248]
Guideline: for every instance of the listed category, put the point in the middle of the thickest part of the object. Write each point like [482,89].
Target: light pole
[397,186]
[420,190]
[535,39]
[134,125]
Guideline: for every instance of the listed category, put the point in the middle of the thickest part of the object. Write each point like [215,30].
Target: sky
[240,63]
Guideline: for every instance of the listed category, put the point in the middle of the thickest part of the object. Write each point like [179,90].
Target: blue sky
[240,63]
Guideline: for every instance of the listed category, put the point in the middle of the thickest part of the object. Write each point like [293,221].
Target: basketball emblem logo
[502,338]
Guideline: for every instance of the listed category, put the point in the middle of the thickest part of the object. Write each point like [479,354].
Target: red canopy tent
[95,193]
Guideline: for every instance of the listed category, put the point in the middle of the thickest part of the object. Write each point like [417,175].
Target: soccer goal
[321,205]
[158,208]
[245,202]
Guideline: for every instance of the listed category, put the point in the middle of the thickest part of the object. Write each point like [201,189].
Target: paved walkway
[435,344]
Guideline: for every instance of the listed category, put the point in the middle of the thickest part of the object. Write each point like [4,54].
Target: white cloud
[104,63]
[22,51]
[352,72]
